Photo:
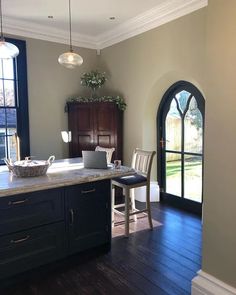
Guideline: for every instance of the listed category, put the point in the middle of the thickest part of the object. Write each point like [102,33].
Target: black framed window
[14,118]
[180,127]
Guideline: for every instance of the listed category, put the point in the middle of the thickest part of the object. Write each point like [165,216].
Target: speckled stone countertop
[62,173]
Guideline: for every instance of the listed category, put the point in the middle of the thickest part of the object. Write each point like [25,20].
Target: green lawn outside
[193,178]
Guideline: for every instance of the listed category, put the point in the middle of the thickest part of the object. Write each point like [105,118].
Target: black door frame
[21,97]
[179,202]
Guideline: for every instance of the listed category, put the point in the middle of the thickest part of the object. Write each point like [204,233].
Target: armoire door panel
[95,123]
[104,140]
[85,143]
[105,134]
[85,119]
[104,120]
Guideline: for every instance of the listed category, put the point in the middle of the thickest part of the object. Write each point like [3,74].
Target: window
[180,133]
[14,122]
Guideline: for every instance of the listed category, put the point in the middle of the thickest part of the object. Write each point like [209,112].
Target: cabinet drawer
[24,211]
[96,188]
[27,249]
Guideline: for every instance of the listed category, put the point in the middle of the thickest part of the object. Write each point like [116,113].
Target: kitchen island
[62,173]
[46,218]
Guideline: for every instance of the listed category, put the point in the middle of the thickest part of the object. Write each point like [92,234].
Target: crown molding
[159,15]
[151,19]
[36,31]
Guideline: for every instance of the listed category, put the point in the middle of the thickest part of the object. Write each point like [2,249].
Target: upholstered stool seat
[131,179]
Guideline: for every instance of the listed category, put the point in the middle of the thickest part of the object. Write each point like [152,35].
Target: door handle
[89,191]
[20,240]
[162,143]
[17,202]
[71,216]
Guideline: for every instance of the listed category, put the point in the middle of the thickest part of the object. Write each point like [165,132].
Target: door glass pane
[173,128]
[193,125]
[182,98]
[173,174]
[8,71]
[9,93]
[193,178]
[2,120]
[1,94]
[2,146]
[11,131]
[11,120]
[1,74]
[12,147]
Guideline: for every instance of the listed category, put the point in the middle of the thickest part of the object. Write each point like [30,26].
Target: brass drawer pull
[89,191]
[20,240]
[17,202]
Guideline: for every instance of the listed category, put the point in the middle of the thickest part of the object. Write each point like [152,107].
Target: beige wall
[144,67]
[219,228]
[49,85]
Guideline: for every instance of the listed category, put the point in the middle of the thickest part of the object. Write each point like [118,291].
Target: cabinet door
[80,122]
[108,127]
[27,249]
[88,213]
[104,123]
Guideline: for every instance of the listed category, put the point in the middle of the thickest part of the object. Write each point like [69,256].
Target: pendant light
[70,59]
[7,50]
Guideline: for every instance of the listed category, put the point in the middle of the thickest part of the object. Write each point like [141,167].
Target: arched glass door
[180,145]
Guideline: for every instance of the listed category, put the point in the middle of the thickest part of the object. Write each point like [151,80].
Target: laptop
[94,159]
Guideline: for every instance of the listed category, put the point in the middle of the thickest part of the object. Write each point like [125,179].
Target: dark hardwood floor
[160,262]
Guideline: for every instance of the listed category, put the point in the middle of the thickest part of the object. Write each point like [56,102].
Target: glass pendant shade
[8,50]
[70,60]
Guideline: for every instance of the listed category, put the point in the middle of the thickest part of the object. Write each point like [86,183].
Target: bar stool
[142,163]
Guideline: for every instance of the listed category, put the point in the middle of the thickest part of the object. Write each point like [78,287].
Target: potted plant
[93,80]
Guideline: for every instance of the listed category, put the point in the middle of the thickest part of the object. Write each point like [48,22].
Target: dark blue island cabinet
[44,226]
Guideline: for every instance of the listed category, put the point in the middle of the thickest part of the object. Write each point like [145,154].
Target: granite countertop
[62,173]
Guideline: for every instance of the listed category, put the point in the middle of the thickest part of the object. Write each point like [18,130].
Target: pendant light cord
[69,26]
[2,38]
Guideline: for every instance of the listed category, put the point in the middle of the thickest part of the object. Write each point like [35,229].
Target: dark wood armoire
[95,123]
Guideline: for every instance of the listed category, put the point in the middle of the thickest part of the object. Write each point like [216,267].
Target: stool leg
[132,197]
[112,205]
[127,200]
[149,206]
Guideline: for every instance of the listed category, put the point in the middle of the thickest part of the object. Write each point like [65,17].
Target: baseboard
[140,193]
[205,284]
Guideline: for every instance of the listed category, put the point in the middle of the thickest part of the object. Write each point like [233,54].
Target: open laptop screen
[94,159]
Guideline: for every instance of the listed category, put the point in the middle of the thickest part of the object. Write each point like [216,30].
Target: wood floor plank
[157,247]
[158,262]
[133,279]
[166,275]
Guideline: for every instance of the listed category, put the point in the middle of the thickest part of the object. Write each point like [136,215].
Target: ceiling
[91,23]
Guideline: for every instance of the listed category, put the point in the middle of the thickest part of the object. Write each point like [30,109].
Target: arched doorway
[180,134]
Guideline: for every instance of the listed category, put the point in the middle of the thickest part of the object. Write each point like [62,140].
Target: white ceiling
[91,26]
